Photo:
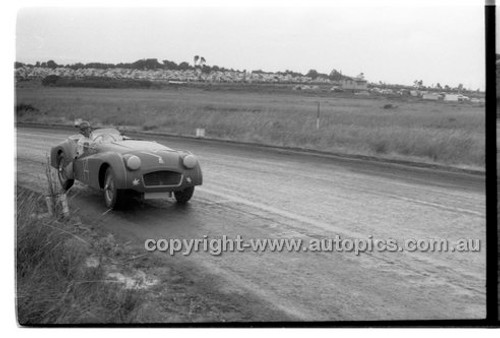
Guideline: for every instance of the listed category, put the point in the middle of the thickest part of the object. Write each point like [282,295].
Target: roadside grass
[70,273]
[73,273]
[55,282]
[450,133]
[54,285]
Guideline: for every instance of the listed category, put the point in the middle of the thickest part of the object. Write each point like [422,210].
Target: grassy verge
[70,272]
[447,133]
[55,282]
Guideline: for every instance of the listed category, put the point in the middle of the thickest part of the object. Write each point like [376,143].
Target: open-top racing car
[121,166]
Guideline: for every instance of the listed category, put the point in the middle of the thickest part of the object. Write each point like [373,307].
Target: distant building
[431,96]
[354,84]
[451,97]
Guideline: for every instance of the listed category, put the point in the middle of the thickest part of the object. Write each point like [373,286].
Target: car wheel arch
[102,173]
[105,161]
[58,155]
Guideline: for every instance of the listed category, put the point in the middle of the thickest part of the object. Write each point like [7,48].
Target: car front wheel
[113,197]
[183,196]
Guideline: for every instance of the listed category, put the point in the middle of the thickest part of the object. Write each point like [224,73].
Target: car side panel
[82,170]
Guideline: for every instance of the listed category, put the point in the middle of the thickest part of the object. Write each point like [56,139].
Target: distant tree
[312,73]
[446,87]
[124,65]
[206,69]
[202,61]
[51,64]
[196,58]
[438,86]
[78,65]
[418,84]
[147,64]
[335,75]
[170,65]
[460,87]
[184,66]
[98,65]
[323,76]
[18,64]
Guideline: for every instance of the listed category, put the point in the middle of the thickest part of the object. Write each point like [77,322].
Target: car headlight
[190,161]
[133,162]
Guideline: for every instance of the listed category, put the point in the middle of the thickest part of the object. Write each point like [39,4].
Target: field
[403,128]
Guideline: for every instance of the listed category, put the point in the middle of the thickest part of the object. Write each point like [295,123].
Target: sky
[386,41]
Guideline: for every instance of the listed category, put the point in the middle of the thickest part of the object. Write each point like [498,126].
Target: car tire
[183,196]
[113,197]
[66,183]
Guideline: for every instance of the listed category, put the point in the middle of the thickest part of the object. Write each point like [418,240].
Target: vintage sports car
[121,166]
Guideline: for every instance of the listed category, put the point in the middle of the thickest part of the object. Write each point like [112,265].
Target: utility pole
[317,117]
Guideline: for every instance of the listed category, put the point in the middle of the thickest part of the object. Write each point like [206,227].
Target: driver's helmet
[85,128]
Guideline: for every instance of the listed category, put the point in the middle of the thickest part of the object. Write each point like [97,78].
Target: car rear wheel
[183,196]
[113,197]
[66,182]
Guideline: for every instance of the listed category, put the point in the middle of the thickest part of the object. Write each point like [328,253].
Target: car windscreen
[106,136]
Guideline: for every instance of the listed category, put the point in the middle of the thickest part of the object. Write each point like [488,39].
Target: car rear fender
[67,148]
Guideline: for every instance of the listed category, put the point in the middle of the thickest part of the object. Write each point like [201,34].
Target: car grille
[162,178]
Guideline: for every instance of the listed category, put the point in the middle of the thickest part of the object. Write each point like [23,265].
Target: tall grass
[430,131]
[54,285]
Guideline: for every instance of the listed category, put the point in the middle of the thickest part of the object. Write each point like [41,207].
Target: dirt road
[263,193]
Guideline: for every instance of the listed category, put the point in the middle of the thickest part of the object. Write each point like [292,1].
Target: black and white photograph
[248,164]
